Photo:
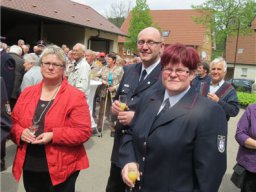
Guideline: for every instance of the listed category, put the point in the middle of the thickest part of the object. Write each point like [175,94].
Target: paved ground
[99,149]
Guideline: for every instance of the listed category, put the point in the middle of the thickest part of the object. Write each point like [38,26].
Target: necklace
[35,122]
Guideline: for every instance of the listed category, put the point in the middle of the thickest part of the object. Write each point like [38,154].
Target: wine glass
[34,127]
[123,102]
[132,175]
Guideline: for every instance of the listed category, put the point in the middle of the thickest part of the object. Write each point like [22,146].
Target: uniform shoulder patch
[221,143]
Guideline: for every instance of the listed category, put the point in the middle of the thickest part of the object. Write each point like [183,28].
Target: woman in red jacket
[51,122]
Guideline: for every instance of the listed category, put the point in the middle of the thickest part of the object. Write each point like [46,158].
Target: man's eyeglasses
[54,65]
[179,72]
[148,43]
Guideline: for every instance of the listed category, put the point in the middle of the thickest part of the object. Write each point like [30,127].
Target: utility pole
[237,38]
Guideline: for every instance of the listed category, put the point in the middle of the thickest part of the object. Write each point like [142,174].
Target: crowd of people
[170,134]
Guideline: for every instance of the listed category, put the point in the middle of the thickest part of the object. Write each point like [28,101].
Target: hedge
[246,98]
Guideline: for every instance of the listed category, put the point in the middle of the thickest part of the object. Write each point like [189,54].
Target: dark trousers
[115,181]
[41,182]
[3,153]
[249,182]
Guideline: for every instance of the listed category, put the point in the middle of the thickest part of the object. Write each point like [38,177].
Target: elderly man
[91,58]
[80,76]
[138,80]
[220,91]
[33,73]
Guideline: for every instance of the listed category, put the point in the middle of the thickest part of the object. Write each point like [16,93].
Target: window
[240,51]
[244,72]
[166,33]
[124,51]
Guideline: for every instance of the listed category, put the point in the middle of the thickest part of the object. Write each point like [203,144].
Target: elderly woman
[246,138]
[50,127]
[110,75]
[176,136]
[33,73]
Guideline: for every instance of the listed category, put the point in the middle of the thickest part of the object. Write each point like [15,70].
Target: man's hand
[115,108]
[213,97]
[125,117]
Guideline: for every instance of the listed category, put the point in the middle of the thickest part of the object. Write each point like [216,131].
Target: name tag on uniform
[126,85]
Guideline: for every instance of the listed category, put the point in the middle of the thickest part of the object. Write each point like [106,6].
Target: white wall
[251,72]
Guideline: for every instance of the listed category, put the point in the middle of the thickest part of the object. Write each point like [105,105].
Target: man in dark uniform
[7,84]
[138,79]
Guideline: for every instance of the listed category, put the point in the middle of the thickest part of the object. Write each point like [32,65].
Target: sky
[103,6]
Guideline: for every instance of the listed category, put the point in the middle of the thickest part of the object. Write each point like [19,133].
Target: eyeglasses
[54,65]
[148,43]
[179,72]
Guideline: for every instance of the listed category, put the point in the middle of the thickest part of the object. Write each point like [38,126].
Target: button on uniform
[143,158]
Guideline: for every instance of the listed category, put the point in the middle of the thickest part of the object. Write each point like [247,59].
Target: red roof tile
[182,27]
[64,10]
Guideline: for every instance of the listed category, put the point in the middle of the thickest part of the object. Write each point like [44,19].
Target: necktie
[144,73]
[166,106]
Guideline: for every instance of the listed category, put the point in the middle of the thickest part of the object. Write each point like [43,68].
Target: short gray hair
[219,60]
[31,58]
[16,49]
[54,50]
[82,47]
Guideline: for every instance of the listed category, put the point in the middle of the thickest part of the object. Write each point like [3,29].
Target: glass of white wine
[123,102]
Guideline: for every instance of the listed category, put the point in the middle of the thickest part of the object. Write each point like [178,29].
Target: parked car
[244,85]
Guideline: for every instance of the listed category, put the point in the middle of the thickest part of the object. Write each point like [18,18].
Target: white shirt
[149,69]
[80,77]
[173,99]
[214,88]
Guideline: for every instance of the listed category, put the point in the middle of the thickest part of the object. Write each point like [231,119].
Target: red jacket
[69,120]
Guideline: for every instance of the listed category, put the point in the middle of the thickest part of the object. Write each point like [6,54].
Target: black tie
[144,73]
[166,106]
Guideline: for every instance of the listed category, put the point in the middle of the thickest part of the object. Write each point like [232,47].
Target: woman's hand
[27,136]
[43,138]
[130,167]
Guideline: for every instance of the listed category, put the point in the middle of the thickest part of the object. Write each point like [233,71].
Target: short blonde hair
[54,50]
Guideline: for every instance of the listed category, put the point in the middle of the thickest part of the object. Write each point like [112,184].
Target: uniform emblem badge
[221,143]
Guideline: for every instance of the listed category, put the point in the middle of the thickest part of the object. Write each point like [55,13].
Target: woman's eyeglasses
[54,65]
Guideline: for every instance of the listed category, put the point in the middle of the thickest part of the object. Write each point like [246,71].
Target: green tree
[226,18]
[140,19]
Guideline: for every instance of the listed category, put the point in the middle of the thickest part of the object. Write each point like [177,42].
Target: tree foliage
[226,18]
[140,19]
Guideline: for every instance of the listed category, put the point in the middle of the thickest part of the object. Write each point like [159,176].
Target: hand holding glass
[123,102]
[33,128]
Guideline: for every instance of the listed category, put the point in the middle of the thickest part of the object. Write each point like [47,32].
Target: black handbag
[238,176]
